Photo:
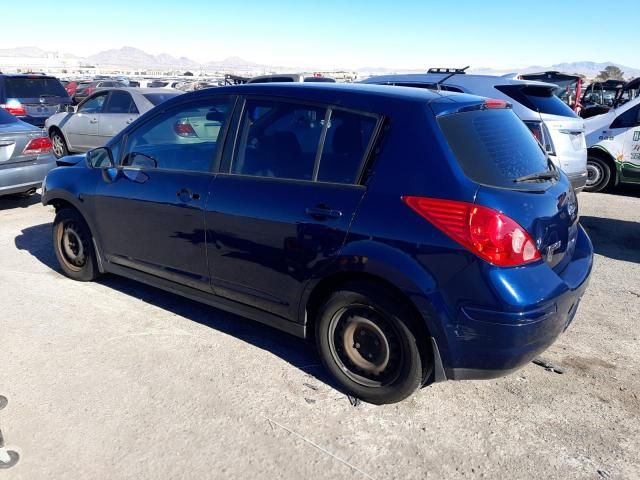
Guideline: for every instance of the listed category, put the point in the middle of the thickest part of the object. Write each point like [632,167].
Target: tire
[73,245]
[598,174]
[386,365]
[60,148]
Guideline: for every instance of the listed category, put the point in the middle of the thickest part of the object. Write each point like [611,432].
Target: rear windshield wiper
[548,175]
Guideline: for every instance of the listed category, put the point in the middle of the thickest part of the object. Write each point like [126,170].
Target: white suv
[551,121]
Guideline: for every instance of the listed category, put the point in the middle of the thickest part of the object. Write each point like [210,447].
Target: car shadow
[295,351]
[617,239]
[16,201]
[626,190]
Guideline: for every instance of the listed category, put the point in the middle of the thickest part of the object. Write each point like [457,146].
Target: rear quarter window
[537,98]
[493,147]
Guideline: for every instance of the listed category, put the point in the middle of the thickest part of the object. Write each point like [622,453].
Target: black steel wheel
[73,246]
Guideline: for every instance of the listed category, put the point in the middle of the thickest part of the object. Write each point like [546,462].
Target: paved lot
[117,380]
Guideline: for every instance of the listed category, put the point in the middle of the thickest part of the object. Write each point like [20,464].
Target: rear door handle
[321,213]
[187,195]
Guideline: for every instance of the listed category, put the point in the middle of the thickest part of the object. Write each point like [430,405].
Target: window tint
[158,98]
[93,104]
[493,147]
[630,118]
[278,139]
[538,99]
[6,118]
[120,102]
[184,138]
[33,87]
[348,136]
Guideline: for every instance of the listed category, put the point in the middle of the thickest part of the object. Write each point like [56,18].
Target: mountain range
[134,57]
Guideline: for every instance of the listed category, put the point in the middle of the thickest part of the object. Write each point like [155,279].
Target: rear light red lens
[14,108]
[485,232]
[184,129]
[37,146]
[495,103]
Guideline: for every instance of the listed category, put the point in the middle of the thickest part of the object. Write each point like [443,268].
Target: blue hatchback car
[416,236]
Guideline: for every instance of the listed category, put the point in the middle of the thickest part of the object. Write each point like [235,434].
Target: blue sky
[337,34]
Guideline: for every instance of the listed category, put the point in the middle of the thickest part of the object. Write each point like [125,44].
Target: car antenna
[451,72]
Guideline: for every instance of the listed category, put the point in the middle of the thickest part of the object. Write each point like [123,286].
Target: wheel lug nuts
[357,345]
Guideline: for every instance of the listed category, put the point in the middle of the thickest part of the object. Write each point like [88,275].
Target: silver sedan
[100,117]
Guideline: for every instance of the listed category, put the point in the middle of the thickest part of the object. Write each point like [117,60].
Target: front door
[150,209]
[82,127]
[280,210]
[119,112]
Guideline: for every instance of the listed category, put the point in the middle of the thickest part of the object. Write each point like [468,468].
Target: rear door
[630,122]
[81,129]
[282,204]
[119,111]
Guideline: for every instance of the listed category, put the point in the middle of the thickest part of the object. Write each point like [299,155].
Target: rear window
[158,98]
[6,118]
[33,87]
[539,99]
[493,147]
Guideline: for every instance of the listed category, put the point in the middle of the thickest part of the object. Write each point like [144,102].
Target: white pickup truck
[613,147]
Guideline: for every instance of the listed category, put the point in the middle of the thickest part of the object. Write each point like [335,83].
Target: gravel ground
[118,380]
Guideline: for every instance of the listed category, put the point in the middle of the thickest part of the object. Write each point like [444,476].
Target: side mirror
[71,109]
[100,158]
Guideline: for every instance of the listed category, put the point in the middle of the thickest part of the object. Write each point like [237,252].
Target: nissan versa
[416,236]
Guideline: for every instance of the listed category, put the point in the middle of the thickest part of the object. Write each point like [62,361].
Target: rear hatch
[568,147]
[515,177]
[40,96]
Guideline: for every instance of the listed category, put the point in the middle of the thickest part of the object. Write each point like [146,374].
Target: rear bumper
[22,177]
[578,180]
[483,342]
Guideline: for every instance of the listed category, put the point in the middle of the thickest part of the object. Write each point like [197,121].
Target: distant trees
[610,73]
[188,74]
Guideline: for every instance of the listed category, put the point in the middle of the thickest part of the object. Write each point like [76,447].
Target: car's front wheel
[73,246]
[58,143]
[598,174]
[365,341]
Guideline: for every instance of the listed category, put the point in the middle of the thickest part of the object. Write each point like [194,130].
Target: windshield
[494,147]
[537,98]
[158,98]
[34,87]
[6,118]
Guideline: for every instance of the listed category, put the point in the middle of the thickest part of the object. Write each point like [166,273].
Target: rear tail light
[184,129]
[14,107]
[542,135]
[37,146]
[485,232]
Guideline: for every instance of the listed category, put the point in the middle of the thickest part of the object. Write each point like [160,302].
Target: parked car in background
[86,89]
[613,140]
[290,77]
[101,116]
[417,236]
[32,97]
[71,87]
[25,156]
[558,129]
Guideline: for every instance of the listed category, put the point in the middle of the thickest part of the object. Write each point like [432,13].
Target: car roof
[329,91]
[458,79]
[26,75]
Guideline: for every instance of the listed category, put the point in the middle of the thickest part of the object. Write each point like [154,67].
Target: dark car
[32,97]
[25,156]
[417,236]
[84,89]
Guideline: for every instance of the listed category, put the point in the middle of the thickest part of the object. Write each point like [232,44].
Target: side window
[630,118]
[278,139]
[348,136]
[93,104]
[120,102]
[184,138]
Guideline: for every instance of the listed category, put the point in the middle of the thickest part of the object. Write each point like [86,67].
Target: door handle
[321,213]
[187,195]
[93,120]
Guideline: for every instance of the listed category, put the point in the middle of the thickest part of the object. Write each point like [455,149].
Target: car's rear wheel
[365,341]
[73,246]
[598,174]
[58,143]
